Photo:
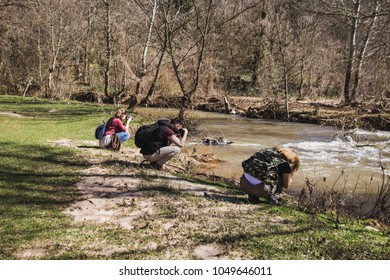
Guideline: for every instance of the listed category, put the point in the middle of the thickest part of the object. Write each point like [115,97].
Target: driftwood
[220,141]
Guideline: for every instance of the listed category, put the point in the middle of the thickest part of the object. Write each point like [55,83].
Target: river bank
[333,161]
[369,116]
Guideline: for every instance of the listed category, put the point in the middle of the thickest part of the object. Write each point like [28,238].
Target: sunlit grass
[37,180]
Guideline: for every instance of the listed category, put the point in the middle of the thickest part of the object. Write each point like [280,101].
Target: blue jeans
[124,136]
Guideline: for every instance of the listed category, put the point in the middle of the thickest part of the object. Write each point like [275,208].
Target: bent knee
[126,135]
[176,150]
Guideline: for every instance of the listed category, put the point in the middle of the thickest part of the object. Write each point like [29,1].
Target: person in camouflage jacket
[267,172]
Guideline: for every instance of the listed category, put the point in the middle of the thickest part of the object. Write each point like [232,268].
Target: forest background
[131,52]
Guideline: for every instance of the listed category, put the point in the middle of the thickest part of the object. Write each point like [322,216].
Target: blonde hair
[291,156]
[120,112]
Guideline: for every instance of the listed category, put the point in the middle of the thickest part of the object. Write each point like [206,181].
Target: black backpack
[148,137]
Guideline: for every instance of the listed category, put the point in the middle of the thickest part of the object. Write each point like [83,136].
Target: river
[329,157]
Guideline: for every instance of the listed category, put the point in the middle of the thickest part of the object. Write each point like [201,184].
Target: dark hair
[176,121]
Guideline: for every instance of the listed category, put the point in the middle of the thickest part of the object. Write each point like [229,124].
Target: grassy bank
[38,181]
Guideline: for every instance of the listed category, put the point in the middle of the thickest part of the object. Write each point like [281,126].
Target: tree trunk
[188,94]
[107,3]
[352,53]
[145,100]
[362,55]
[286,93]
[55,49]
[141,73]
[86,65]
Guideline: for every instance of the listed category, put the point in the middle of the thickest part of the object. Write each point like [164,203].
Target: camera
[126,117]
[180,132]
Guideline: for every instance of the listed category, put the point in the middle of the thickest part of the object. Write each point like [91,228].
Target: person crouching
[116,132]
[170,138]
[267,173]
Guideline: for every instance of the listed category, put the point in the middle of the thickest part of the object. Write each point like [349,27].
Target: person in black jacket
[170,138]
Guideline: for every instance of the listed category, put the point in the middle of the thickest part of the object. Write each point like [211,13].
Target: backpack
[148,137]
[100,130]
[263,165]
[115,143]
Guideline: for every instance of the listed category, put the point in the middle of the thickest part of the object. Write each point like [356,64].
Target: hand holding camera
[126,118]
[182,132]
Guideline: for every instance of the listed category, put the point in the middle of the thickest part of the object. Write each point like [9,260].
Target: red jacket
[114,125]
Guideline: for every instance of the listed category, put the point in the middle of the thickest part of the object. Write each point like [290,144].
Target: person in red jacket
[116,131]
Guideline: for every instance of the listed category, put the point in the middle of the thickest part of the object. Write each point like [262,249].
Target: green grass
[37,181]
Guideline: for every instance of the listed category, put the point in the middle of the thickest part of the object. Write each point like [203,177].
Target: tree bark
[352,52]
[107,4]
[363,53]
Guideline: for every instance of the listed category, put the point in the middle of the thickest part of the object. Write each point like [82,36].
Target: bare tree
[52,27]
[120,48]
[352,49]
[146,65]
[361,18]
[190,26]
[90,13]
[288,32]
[108,56]
[364,51]
[187,29]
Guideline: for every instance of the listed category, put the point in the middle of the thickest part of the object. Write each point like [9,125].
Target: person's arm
[285,175]
[119,124]
[179,142]
[129,119]
[286,180]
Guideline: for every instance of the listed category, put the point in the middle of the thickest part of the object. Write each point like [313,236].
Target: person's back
[114,125]
[150,138]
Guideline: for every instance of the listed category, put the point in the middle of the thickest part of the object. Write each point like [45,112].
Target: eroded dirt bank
[372,116]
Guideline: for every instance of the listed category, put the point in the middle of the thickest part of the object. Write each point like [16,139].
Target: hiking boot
[155,165]
[253,199]
[273,200]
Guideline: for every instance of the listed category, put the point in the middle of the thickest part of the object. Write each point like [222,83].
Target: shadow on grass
[50,109]
[32,173]
[36,181]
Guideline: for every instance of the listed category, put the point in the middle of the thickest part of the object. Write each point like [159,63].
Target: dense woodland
[129,51]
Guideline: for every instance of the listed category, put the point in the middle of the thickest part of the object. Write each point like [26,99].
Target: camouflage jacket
[263,165]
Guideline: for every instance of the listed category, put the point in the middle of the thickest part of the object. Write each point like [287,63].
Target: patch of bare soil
[118,190]
[11,114]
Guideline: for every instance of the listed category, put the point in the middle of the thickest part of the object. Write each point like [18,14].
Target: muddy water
[328,156]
